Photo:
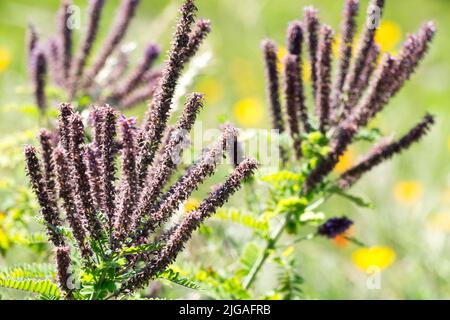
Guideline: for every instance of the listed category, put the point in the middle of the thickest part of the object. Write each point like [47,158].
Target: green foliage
[246,219]
[177,278]
[44,287]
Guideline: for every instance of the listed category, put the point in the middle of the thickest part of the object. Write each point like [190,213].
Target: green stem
[270,244]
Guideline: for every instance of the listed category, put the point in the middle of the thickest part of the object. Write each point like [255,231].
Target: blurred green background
[410,223]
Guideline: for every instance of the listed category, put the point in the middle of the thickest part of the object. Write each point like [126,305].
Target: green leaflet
[360,202]
[44,287]
[144,248]
[242,218]
[177,278]
[28,271]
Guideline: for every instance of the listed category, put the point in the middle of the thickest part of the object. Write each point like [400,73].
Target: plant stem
[270,244]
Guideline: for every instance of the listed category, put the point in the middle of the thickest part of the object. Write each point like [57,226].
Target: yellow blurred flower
[306,71]
[248,112]
[377,256]
[289,250]
[212,89]
[345,161]
[408,192]
[440,222]
[280,55]
[388,35]
[5,59]
[191,205]
[336,45]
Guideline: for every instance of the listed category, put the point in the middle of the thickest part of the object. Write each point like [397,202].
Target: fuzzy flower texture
[109,204]
[109,77]
[363,84]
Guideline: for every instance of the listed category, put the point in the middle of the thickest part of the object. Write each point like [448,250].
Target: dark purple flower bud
[38,73]
[45,139]
[32,40]
[82,187]
[294,99]
[323,69]
[385,151]
[65,113]
[63,272]
[348,28]
[65,39]
[312,28]
[334,227]
[295,38]
[270,51]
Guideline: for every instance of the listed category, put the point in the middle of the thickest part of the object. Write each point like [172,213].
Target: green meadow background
[410,221]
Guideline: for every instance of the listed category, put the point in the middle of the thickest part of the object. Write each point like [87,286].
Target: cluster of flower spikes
[75,177]
[108,78]
[365,81]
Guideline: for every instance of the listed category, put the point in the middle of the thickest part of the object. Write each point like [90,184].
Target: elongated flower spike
[348,28]
[385,151]
[323,84]
[38,75]
[295,38]
[65,39]
[66,187]
[294,103]
[63,262]
[94,16]
[270,50]
[198,34]
[312,28]
[49,208]
[47,152]
[32,40]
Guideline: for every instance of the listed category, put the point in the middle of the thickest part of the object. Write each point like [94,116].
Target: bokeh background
[409,226]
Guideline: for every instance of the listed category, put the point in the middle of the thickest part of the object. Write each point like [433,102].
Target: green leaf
[246,219]
[28,271]
[44,287]
[360,202]
[177,278]
[143,248]
[248,258]
[369,135]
